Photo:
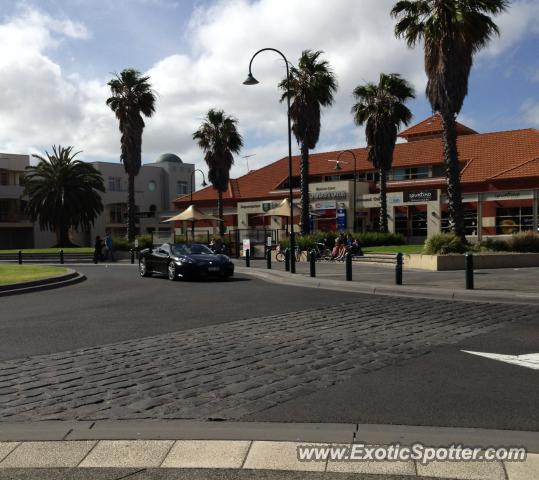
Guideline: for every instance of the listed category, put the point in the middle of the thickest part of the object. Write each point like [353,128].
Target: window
[117,213]
[115,184]
[513,220]
[470,221]
[410,173]
[181,187]
[4,177]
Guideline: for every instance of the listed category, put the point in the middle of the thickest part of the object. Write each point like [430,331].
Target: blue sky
[59,55]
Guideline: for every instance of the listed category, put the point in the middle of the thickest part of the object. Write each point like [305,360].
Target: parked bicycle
[299,255]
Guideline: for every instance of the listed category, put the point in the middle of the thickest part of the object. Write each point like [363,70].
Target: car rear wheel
[143,268]
[172,275]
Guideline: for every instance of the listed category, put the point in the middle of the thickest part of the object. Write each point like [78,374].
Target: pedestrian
[109,245]
[98,249]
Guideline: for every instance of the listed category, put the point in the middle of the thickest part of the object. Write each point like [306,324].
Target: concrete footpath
[493,285]
[68,447]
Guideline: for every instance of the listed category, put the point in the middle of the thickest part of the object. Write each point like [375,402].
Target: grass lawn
[50,250]
[28,273]
[395,249]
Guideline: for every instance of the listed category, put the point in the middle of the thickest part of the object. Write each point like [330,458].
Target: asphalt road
[115,304]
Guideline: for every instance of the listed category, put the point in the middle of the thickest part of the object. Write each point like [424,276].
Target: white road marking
[530,360]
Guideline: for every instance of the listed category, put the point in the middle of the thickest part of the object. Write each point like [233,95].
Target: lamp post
[204,184]
[355,181]
[250,80]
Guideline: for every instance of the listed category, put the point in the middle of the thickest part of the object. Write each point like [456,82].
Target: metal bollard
[132,256]
[247,258]
[20,257]
[312,262]
[268,259]
[349,267]
[287,260]
[62,257]
[398,270]
[468,259]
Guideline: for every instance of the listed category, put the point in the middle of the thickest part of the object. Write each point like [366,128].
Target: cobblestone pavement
[238,368]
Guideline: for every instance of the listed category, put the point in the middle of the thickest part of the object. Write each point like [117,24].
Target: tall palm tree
[63,193]
[453,31]
[381,107]
[218,137]
[132,97]
[312,85]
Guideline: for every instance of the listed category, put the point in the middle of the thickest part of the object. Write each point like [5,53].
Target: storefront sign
[341,219]
[515,195]
[323,205]
[421,196]
[251,205]
[328,195]
[267,206]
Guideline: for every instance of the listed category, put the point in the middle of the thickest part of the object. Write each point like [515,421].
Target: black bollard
[268,258]
[398,270]
[349,267]
[287,260]
[61,257]
[468,259]
[20,257]
[247,258]
[312,262]
[132,256]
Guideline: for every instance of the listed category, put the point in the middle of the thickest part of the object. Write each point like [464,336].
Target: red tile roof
[431,126]
[488,157]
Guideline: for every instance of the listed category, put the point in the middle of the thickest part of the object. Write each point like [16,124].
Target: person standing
[98,249]
[110,247]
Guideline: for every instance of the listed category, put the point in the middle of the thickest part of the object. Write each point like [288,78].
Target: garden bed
[481,261]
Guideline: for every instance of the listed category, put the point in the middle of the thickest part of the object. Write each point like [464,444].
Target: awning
[191,214]
[283,210]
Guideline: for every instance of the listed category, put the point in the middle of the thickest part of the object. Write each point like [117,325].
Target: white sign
[136,242]
[268,241]
[246,245]
[323,205]
[531,360]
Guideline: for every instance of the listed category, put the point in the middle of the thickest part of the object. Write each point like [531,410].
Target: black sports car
[184,260]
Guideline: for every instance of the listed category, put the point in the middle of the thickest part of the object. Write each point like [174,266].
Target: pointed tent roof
[431,127]
[283,210]
[191,214]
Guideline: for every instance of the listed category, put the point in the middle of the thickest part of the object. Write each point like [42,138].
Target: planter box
[456,262]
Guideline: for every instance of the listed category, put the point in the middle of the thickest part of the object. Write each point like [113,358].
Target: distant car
[186,260]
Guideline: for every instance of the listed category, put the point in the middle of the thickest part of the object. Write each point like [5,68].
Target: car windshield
[193,249]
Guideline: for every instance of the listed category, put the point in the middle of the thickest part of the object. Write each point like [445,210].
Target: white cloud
[530,109]
[41,105]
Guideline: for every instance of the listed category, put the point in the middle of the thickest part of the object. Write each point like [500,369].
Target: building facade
[499,179]
[157,185]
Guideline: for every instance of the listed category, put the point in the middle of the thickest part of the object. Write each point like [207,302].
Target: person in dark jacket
[98,249]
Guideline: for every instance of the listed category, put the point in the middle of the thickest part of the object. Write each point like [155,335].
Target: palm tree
[312,85]
[132,97]
[381,107]
[452,32]
[218,137]
[63,193]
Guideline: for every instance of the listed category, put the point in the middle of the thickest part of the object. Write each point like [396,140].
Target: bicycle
[300,256]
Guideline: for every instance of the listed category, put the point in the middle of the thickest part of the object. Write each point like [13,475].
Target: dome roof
[168,157]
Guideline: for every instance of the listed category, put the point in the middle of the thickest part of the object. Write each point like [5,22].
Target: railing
[52,257]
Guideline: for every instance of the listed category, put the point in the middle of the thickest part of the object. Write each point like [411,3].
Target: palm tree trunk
[131,218]
[452,171]
[304,181]
[220,214]
[383,201]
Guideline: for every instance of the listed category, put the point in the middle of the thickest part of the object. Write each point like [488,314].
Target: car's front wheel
[172,275]
[143,268]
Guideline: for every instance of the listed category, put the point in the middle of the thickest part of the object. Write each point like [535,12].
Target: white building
[157,185]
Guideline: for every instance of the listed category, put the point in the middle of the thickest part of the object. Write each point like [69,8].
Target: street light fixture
[204,184]
[337,167]
[251,80]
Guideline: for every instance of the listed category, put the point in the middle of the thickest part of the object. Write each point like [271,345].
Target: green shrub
[524,242]
[121,243]
[494,245]
[368,239]
[377,239]
[444,243]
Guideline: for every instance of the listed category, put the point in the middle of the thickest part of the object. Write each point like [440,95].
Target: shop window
[513,220]
[419,224]
[181,188]
[470,221]
[410,173]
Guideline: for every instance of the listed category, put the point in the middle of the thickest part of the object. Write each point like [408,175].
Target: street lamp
[337,167]
[251,80]
[204,184]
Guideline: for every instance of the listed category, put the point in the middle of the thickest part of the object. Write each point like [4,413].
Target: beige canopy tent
[191,214]
[283,210]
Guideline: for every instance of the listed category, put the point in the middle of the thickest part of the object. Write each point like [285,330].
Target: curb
[72,277]
[182,445]
[300,280]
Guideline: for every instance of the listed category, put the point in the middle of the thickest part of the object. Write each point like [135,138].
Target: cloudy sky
[57,55]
